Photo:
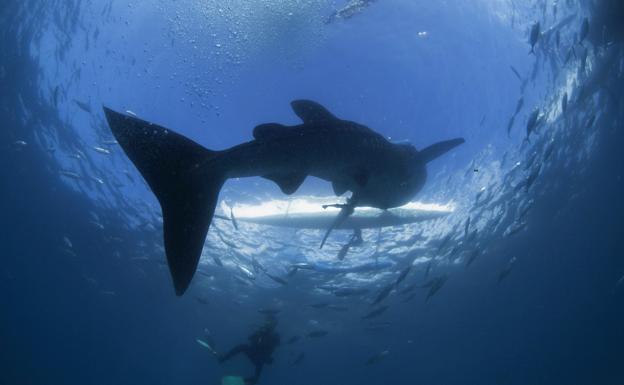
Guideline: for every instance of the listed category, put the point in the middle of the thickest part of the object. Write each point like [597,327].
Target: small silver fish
[101,150]
[69,174]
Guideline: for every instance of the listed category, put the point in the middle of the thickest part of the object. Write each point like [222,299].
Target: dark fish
[505,272]
[202,300]
[472,236]
[436,285]
[454,251]
[409,289]
[277,279]
[510,125]
[337,308]
[514,229]
[466,227]
[519,105]
[524,211]
[532,122]
[571,52]
[590,121]
[83,106]
[217,260]
[348,292]
[257,266]
[383,294]
[343,251]
[376,313]
[534,36]
[319,305]
[428,268]
[299,359]
[293,339]
[558,39]
[549,150]
[444,242]
[55,95]
[530,161]
[583,65]
[233,218]
[352,8]
[403,275]
[377,357]
[292,272]
[584,30]
[226,242]
[515,71]
[317,333]
[533,177]
[269,311]
[471,258]
[564,102]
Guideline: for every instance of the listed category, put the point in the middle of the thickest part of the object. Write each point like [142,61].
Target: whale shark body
[186,177]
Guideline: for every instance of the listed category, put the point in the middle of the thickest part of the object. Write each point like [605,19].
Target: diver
[259,349]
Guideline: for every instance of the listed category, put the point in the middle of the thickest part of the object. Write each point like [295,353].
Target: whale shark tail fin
[187,193]
[435,150]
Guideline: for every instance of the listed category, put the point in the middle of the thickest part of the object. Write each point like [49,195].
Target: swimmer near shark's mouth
[186,177]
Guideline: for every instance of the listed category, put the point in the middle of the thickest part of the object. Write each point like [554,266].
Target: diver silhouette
[259,349]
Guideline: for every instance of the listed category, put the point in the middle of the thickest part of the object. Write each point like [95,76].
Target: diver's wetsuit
[259,351]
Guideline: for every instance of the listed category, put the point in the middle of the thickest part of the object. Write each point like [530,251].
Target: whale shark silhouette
[186,177]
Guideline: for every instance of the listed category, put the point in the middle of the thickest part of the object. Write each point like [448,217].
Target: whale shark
[186,178]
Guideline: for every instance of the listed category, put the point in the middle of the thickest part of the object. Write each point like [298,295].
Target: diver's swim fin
[187,193]
[435,150]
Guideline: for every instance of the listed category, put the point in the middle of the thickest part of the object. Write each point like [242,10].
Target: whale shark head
[403,176]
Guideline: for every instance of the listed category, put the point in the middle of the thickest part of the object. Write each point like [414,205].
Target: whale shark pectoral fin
[435,150]
[269,131]
[288,183]
[310,111]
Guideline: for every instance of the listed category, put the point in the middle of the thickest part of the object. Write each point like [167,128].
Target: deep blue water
[86,295]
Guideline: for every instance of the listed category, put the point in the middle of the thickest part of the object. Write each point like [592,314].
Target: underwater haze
[506,268]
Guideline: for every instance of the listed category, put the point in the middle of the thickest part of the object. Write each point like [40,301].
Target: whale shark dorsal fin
[310,111]
[269,131]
